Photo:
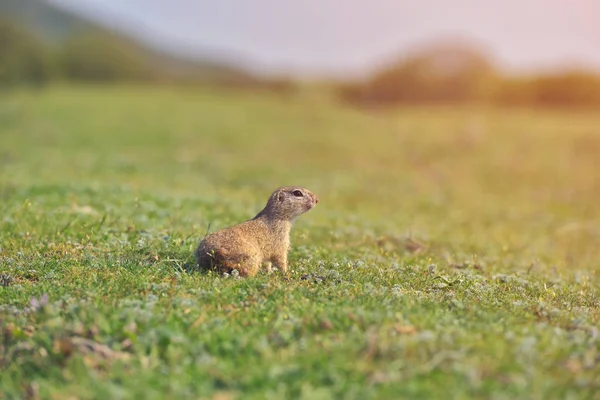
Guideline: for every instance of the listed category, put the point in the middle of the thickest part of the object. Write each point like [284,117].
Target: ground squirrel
[265,239]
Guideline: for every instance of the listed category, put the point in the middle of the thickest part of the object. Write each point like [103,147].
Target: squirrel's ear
[280,195]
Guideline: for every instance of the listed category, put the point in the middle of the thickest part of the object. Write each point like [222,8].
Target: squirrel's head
[289,202]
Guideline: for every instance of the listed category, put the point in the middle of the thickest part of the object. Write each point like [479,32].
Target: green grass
[454,253]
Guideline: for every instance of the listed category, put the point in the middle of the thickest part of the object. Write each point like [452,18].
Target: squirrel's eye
[297,193]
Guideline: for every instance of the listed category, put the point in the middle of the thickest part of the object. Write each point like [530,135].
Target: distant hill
[55,25]
[44,19]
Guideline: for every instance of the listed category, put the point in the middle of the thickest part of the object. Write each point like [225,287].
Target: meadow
[454,252]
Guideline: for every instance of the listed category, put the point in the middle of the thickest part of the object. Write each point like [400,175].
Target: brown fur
[265,239]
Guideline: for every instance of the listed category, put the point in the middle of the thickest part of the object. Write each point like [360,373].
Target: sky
[353,37]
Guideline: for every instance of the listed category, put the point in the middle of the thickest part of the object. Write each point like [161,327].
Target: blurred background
[531,53]
[472,127]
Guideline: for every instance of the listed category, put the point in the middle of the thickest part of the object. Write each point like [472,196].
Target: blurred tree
[574,88]
[516,92]
[442,73]
[101,57]
[23,59]
[566,89]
